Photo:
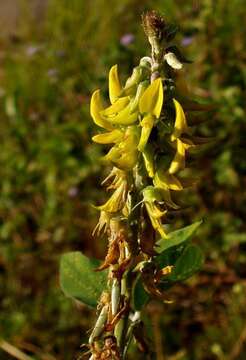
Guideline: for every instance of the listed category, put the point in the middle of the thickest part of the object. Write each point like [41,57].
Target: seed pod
[100,323]
[115,296]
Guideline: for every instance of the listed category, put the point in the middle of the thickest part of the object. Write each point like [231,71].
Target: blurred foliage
[50,172]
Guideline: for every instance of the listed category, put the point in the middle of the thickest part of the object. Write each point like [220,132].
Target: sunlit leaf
[177,237]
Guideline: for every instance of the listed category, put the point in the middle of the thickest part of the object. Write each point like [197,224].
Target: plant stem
[132,251]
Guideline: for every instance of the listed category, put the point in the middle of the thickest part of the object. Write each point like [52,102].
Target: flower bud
[153,24]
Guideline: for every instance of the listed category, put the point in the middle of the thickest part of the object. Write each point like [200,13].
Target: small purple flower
[187,40]
[73,192]
[32,50]
[127,39]
[60,53]
[52,73]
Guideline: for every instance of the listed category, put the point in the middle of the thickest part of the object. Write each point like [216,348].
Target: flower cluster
[148,129]
[149,142]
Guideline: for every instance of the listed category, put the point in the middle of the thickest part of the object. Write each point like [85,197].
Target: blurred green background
[53,54]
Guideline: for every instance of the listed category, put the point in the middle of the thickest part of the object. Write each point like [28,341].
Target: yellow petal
[178,162]
[140,90]
[166,196]
[114,84]
[148,157]
[108,138]
[152,99]
[112,155]
[95,108]
[131,139]
[127,161]
[157,213]
[180,125]
[116,202]
[103,223]
[124,117]
[147,124]
[116,107]
[166,180]
[156,223]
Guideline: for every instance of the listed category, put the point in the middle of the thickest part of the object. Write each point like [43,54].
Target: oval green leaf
[79,280]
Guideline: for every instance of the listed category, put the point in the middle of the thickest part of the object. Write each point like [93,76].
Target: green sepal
[79,280]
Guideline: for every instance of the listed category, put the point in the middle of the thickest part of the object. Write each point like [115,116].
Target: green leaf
[140,297]
[79,280]
[177,237]
[186,259]
[187,264]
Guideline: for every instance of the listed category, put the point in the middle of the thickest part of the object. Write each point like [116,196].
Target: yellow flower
[147,124]
[117,200]
[124,155]
[148,156]
[96,107]
[152,99]
[103,223]
[180,125]
[151,198]
[165,180]
[113,136]
[116,107]
[114,84]
[150,105]
[178,163]
[123,117]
